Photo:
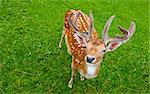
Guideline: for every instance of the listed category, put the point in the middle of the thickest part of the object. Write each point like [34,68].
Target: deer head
[94,47]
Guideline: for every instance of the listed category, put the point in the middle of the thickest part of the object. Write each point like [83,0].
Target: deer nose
[90,59]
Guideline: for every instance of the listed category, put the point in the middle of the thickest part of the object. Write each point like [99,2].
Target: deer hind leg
[62,37]
[72,76]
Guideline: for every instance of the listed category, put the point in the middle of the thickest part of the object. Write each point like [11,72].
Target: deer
[85,46]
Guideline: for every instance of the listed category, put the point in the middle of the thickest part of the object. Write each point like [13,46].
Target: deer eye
[103,51]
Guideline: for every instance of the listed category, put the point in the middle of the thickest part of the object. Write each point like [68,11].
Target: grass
[32,63]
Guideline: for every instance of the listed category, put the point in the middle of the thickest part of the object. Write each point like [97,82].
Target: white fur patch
[91,71]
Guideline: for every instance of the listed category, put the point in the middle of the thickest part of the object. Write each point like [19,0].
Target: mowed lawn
[32,63]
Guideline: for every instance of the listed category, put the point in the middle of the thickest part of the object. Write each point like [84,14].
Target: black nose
[90,59]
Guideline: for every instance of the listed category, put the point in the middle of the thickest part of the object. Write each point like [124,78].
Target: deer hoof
[70,85]
[60,46]
[82,78]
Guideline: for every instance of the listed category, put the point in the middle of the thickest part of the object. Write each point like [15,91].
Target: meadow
[32,63]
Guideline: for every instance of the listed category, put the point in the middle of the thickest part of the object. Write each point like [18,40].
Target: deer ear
[113,45]
[81,38]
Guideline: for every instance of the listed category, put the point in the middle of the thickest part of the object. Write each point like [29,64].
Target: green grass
[32,63]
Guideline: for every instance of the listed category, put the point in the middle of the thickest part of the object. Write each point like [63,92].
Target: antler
[105,36]
[74,24]
[88,34]
[91,24]
[127,33]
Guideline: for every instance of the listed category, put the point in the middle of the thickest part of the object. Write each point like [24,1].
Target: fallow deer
[84,45]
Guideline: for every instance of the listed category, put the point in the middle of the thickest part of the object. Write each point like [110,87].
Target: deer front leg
[62,37]
[72,76]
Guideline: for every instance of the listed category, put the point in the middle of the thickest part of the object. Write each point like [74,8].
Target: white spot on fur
[79,45]
[76,49]
[75,53]
[73,47]
[82,48]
